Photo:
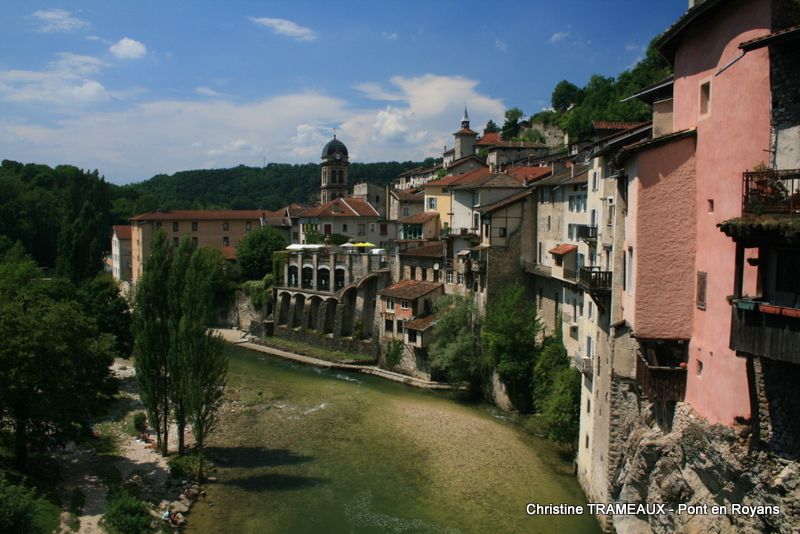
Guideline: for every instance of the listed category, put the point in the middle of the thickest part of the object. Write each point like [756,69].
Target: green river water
[308,450]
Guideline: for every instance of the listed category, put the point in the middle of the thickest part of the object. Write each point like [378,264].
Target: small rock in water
[179,507]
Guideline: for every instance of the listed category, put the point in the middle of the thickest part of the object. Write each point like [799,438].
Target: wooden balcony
[767,330]
[587,233]
[771,191]
[594,280]
[533,267]
[660,383]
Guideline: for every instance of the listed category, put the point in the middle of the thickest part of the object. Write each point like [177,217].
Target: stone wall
[241,313]
[785,82]
[778,405]
[367,347]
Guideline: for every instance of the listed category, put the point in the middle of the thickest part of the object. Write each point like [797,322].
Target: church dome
[332,147]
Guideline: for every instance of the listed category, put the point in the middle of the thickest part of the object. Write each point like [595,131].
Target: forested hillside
[270,187]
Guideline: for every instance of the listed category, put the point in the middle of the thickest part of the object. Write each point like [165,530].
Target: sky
[135,89]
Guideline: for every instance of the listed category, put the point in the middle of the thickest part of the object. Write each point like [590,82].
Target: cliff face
[701,464]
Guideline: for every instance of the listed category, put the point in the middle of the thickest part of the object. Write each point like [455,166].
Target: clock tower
[334,180]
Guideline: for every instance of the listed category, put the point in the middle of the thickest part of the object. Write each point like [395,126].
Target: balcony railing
[660,383]
[584,364]
[594,280]
[771,191]
[766,330]
[569,274]
[587,233]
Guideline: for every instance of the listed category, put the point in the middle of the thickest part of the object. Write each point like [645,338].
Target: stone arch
[313,313]
[296,318]
[284,303]
[323,278]
[368,289]
[347,311]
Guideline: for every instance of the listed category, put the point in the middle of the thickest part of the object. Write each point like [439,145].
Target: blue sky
[139,88]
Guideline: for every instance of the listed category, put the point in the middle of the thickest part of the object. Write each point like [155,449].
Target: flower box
[770,308]
[746,304]
[790,312]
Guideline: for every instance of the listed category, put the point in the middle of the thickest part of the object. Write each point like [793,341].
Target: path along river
[307,450]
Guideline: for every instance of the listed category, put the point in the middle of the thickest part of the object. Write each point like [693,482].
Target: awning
[464,252]
[563,249]
[364,244]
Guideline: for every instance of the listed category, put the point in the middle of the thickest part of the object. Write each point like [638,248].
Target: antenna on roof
[334,132]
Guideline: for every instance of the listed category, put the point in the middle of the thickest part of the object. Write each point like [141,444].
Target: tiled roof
[655,142]
[457,178]
[123,231]
[496,181]
[199,215]
[409,195]
[565,175]
[529,174]
[409,289]
[615,125]
[434,249]
[489,139]
[419,218]
[563,249]
[786,34]
[422,323]
[506,201]
[342,207]
[465,131]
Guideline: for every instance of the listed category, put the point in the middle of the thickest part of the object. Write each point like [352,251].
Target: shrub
[187,466]
[18,506]
[125,514]
[394,353]
[140,422]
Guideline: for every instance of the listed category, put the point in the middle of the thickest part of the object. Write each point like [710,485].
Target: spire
[465,118]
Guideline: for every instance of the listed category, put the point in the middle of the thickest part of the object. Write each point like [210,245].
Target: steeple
[465,118]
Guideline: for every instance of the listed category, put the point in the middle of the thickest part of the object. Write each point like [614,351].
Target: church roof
[342,207]
[333,146]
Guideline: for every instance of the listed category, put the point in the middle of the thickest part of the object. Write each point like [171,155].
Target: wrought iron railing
[771,191]
[587,232]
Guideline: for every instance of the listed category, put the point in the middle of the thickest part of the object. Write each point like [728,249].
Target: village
[665,251]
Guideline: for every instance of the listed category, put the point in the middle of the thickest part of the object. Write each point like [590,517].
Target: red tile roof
[785,34]
[434,249]
[460,179]
[563,249]
[342,207]
[409,195]
[409,289]
[494,181]
[506,201]
[489,139]
[422,323]
[529,174]
[615,125]
[465,131]
[200,215]
[123,231]
[419,218]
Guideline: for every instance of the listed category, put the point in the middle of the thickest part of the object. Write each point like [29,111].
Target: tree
[102,301]
[531,135]
[509,340]
[456,348]
[562,408]
[511,125]
[152,337]
[491,127]
[177,360]
[565,95]
[254,252]
[552,359]
[55,362]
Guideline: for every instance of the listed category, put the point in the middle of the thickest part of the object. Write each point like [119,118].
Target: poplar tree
[177,347]
[152,339]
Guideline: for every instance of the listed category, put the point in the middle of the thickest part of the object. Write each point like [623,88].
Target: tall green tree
[254,252]
[562,407]
[509,339]
[177,360]
[111,312]
[456,349]
[491,127]
[552,359]
[511,125]
[565,95]
[151,323]
[55,364]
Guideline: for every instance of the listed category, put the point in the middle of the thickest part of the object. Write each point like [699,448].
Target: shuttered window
[701,289]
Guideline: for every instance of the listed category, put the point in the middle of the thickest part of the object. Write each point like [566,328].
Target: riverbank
[238,337]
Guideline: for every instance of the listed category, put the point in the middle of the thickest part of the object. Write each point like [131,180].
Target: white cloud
[500,45]
[287,28]
[389,36]
[633,47]
[58,20]
[165,136]
[558,36]
[127,48]
[206,91]
[65,81]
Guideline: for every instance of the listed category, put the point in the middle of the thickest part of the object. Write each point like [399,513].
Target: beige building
[217,229]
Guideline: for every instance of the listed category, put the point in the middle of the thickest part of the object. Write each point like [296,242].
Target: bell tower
[334,182]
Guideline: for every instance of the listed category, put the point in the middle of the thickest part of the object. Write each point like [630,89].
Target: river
[306,450]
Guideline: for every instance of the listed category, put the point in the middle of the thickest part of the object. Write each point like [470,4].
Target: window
[594,180]
[460,279]
[175,226]
[225,241]
[248,226]
[705,98]
[588,405]
[390,304]
[476,221]
[501,232]
[194,226]
[362,228]
[591,310]
[702,280]
[326,229]
[548,223]
[344,227]
[225,226]
[539,254]
[384,229]
[572,232]
[710,205]
[431,203]
[610,213]
[699,368]
[412,336]
[404,211]
[388,327]
[371,227]
[404,304]
[628,272]
[449,277]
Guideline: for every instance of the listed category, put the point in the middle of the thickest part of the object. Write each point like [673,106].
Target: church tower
[334,180]
[465,138]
